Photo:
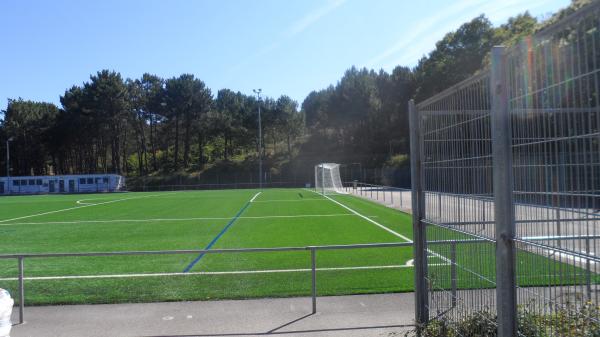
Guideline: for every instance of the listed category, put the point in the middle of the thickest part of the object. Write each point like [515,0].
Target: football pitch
[218,219]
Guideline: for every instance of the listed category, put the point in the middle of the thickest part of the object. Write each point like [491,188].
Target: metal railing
[395,197]
[312,249]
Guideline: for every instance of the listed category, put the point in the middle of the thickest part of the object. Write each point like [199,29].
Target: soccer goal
[327,179]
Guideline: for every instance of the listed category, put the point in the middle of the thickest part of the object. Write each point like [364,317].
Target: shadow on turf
[275,331]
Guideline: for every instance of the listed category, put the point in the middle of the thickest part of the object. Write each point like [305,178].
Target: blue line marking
[212,243]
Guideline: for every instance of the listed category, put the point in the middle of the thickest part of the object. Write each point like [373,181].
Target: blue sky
[282,46]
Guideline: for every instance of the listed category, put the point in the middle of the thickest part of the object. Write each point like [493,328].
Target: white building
[81,183]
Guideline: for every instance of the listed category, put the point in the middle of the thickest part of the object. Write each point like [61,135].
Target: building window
[90,181]
[15,183]
[81,181]
[38,182]
[105,180]
[31,182]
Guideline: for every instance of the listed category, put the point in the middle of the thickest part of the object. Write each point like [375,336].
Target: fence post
[418,208]
[401,197]
[21,291]
[313,269]
[506,281]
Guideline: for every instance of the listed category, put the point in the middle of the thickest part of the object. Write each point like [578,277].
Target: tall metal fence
[506,169]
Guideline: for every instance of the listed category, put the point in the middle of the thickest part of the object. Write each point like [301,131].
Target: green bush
[571,321]
[481,324]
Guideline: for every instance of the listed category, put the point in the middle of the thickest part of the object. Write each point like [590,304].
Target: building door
[61,186]
[51,187]
[1,187]
[71,186]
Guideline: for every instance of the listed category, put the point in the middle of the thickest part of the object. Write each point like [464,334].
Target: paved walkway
[360,315]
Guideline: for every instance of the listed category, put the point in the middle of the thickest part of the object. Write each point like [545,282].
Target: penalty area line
[77,207]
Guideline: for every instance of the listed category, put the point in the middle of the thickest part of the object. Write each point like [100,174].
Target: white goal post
[327,178]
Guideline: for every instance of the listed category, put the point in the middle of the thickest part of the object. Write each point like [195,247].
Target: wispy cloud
[422,38]
[423,29]
[309,19]
[295,28]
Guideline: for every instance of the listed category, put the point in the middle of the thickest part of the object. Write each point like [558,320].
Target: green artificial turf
[192,220]
[227,219]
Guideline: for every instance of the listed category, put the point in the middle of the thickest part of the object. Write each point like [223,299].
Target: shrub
[571,321]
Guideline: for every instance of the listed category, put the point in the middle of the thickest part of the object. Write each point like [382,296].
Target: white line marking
[445,259]
[255,196]
[74,222]
[289,200]
[86,201]
[77,207]
[240,272]
[561,255]
[367,218]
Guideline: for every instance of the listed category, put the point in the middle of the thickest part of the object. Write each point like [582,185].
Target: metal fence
[511,158]
[394,197]
[21,258]
[221,186]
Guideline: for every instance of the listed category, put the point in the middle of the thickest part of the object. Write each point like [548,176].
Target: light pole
[8,164]
[260,178]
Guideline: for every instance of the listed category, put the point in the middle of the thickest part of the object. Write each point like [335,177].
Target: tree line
[364,117]
[153,126]
[139,126]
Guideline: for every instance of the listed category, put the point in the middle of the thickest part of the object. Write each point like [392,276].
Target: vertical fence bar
[418,207]
[439,206]
[506,294]
[21,291]
[588,274]
[453,277]
[313,269]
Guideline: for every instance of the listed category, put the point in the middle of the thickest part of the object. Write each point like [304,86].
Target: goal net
[327,178]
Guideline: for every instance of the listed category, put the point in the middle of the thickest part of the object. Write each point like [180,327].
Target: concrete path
[360,315]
